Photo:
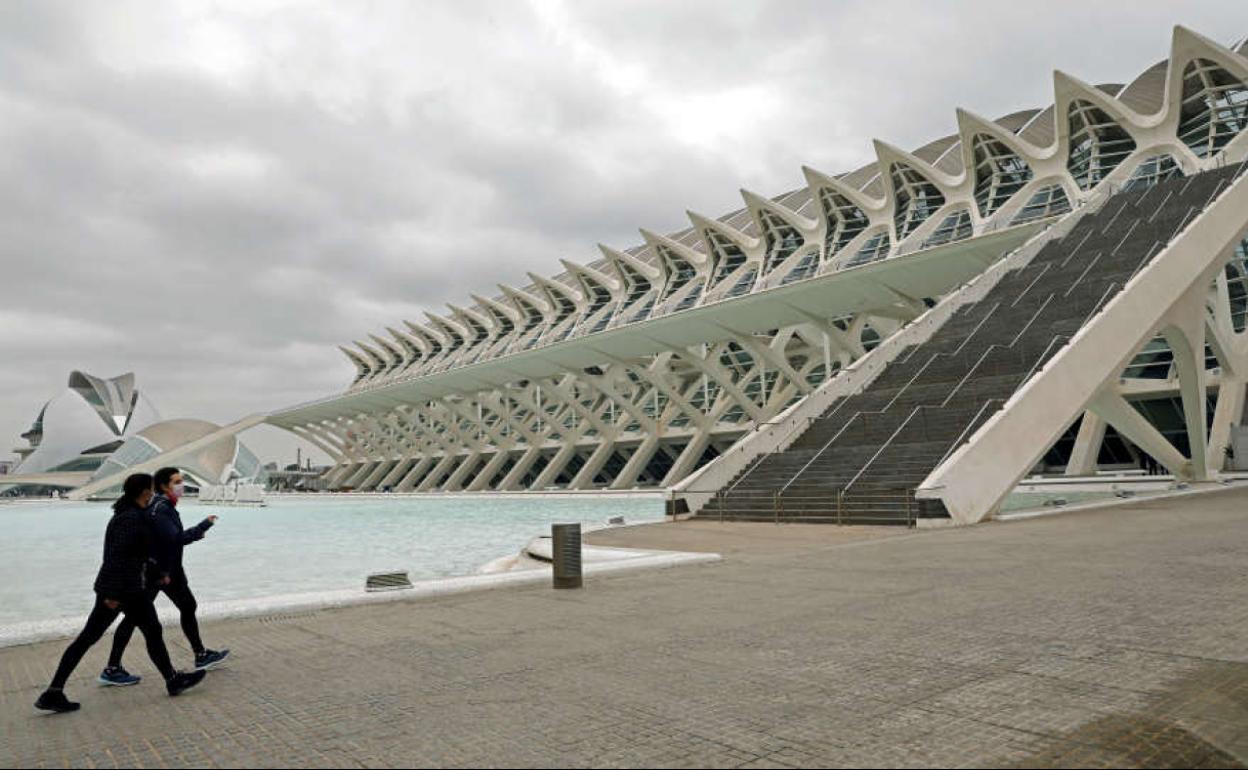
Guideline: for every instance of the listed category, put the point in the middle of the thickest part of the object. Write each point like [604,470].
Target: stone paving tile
[1099,639]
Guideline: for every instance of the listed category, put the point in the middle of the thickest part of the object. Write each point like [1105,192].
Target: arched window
[783,239]
[1214,108]
[1153,170]
[955,227]
[844,221]
[637,285]
[1097,144]
[876,248]
[680,273]
[915,199]
[999,173]
[1046,202]
[726,256]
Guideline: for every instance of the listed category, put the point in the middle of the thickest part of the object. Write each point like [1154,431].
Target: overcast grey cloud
[260,181]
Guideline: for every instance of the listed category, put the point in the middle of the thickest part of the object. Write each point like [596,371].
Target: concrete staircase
[860,462]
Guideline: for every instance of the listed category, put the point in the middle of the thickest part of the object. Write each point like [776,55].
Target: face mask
[177,491]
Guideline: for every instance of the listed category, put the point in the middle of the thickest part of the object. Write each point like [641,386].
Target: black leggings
[179,592]
[139,611]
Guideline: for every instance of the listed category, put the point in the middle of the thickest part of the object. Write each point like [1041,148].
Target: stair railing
[978,326]
[1134,224]
[909,382]
[1148,257]
[1043,271]
[957,442]
[1243,166]
[819,453]
[1087,269]
[1102,198]
[1031,320]
[1160,206]
[1114,218]
[883,447]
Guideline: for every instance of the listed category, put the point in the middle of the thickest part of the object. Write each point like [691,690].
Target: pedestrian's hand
[212,519]
[164,581]
[112,604]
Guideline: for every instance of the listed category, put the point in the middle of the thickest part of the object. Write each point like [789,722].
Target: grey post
[566,555]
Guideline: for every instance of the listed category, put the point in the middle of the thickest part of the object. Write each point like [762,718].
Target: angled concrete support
[1127,420]
[1087,446]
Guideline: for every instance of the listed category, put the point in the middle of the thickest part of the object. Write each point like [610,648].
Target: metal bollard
[565,554]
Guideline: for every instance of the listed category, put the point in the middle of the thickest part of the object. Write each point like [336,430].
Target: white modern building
[98,428]
[685,360]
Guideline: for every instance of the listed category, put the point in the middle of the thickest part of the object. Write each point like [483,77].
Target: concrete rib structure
[666,362]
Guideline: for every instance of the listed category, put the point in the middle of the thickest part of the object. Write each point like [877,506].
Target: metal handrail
[1114,218]
[1147,191]
[1160,206]
[818,454]
[1217,190]
[987,351]
[1087,269]
[883,446]
[1098,306]
[965,431]
[978,326]
[1148,257]
[1243,165]
[909,382]
[1134,224]
[1031,320]
[1040,358]
[1043,271]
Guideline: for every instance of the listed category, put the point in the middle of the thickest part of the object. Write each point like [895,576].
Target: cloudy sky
[215,194]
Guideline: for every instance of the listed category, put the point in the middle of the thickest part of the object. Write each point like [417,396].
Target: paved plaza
[1102,638]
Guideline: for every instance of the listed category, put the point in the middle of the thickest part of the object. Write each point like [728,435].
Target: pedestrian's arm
[198,531]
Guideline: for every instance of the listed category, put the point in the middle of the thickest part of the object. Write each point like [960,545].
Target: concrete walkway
[1097,639]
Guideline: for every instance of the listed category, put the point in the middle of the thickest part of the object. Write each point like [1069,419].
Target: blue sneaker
[210,659]
[118,677]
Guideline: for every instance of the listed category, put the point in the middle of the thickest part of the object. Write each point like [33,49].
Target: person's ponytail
[133,488]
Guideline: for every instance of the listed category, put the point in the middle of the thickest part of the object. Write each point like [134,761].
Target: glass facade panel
[915,199]
[726,256]
[805,268]
[999,173]
[1214,109]
[783,240]
[680,272]
[1153,170]
[1098,145]
[1237,285]
[876,248]
[955,227]
[1046,202]
[843,220]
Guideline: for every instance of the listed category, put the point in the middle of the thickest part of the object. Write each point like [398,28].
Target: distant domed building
[84,424]
[226,459]
[98,427]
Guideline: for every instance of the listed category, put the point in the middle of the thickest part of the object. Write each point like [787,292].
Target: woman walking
[119,589]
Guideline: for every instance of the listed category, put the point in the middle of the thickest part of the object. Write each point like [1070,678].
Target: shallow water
[50,552]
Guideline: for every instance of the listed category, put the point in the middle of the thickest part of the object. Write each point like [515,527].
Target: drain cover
[387,581]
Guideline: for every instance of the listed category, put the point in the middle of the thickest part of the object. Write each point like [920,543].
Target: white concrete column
[429,482]
[1185,334]
[1227,413]
[637,463]
[1087,446]
[1115,410]
[416,474]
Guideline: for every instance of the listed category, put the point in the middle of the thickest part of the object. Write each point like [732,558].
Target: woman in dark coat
[120,589]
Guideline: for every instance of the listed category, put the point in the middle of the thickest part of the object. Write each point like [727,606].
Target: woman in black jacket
[119,589]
